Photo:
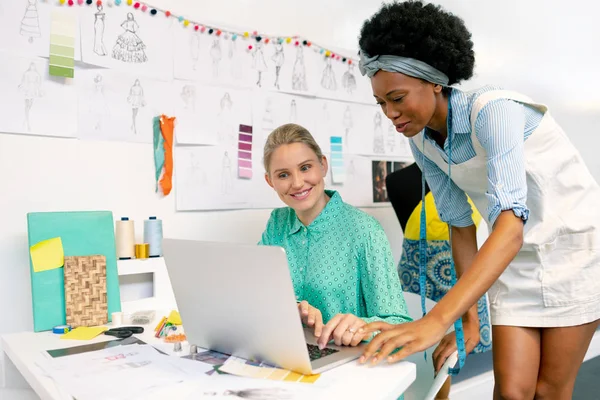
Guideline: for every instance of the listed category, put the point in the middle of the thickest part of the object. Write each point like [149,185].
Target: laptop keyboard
[314,353]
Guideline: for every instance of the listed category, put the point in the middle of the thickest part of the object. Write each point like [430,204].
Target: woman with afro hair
[540,265]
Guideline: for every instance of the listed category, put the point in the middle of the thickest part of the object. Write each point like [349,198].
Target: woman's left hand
[411,337]
[343,329]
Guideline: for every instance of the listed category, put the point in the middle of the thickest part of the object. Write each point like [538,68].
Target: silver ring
[351,330]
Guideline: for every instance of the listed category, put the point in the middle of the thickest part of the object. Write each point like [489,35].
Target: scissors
[124,332]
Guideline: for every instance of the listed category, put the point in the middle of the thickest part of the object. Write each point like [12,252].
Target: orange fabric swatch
[167,126]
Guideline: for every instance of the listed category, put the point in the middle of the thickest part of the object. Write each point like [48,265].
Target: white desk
[352,380]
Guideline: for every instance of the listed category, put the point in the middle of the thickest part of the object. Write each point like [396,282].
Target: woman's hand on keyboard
[343,329]
[311,317]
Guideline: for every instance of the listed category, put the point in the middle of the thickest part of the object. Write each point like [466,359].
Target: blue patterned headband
[408,66]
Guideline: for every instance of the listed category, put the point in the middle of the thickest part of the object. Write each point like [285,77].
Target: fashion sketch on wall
[136,100]
[129,47]
[31,87]
[99,25]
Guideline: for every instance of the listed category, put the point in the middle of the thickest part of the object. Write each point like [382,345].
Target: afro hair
[424,32]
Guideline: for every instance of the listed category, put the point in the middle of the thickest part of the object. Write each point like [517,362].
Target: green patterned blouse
[341,262]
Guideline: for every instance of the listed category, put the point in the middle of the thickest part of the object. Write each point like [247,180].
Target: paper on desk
[133,371]
[242,367]
[84,333]
[47,255]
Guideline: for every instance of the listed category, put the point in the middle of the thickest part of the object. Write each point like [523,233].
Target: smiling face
[297,175]
[410,103]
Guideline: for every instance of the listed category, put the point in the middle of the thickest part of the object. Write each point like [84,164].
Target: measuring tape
[458,326]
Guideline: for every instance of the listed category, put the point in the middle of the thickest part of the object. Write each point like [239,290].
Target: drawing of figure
[226,124]
[30,23]
[129,47]
[267,121]
[278,58]
[378,142]
[216,55]
[351,168]
[188,95]
[347,124]
[99,105]
[255,394]
[328,79]
[235,64]
[259,63]
[99,18]
[227,177]
[299,71]
[392,136]
[137,101]
[31,86]
[349,80]
[195,48]
[196,175]
[293,111]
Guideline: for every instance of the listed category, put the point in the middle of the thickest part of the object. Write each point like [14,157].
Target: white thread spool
[153,235]
[125,238]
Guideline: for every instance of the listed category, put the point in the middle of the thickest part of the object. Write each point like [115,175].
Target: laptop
[239,300]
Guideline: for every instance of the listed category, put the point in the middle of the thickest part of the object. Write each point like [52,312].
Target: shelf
[140,266]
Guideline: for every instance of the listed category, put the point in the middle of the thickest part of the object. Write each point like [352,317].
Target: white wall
[551,53]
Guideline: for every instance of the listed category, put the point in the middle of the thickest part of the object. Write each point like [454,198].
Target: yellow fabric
[436,228]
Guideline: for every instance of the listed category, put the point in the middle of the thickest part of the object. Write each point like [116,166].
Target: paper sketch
[31,87]
[235,64]
[99,25]
[188,95]
[293,111]
[197,175]
[392,136]
[349,80]
[278,58]
[378,140]
[129,46]
[258,62]
[226,175]
[268,123]
[30,24]
[255,394]
[299,73]
[351,171]
[136,100]
[328,79]
[195,48]
[216,55]
[347,123]
[99,104]
[226,122]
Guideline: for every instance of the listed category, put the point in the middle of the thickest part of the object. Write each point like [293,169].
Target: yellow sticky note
[47,255]
[174,318]
[84,333]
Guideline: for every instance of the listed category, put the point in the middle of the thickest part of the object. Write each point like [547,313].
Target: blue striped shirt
[502,127]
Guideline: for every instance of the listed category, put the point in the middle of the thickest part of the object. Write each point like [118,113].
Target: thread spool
[125,238]
[153,235]
[142,250]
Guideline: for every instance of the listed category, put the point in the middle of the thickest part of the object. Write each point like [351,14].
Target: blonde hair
[288,134]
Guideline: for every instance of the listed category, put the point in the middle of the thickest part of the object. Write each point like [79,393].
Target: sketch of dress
[293,111]
[196,175]
[30,23]
[347,124]
[299,71]
[235,64]
[129,47]
[226,125]
[349,80]
[227,177]
[278,58]
[195,48]
[137,101]
[267,122]
[99,105]
[31,86]
[351,168]
[328,79]
[99,22]
[258,62]
[216,55]
[378,142]
[392,136]
[188,95]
